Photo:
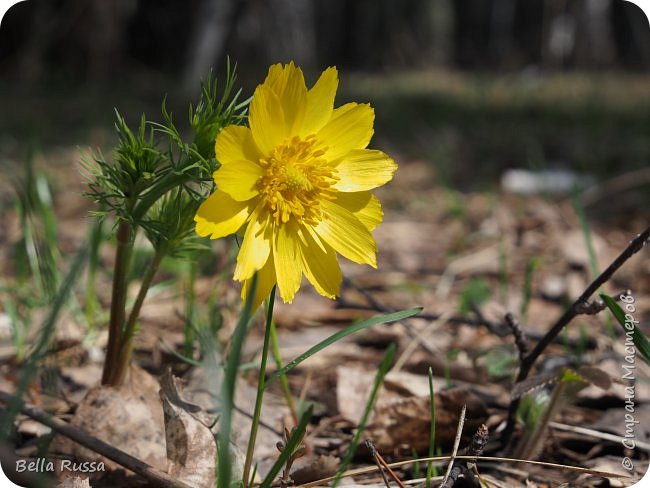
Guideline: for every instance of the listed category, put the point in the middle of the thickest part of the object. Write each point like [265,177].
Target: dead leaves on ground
[432,244]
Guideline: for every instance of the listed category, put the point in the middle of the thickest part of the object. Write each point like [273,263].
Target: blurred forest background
[478,85]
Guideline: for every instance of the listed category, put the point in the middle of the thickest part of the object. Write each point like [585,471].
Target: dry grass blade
[459,433]
[417,340]
[496,459]
[645,446]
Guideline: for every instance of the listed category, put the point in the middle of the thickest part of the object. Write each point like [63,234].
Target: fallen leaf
[191,446]
[312,468]
[129,418]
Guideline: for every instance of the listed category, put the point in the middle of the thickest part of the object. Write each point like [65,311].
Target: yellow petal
[346,234]
[235,143]
[238,179]
[320,265]
[349,128]
[255,248]
[288,83]
[364,205]
[219,215]
[320,102]
[265,281]
[364,169]
[278,106]
[286,253]
[266,120]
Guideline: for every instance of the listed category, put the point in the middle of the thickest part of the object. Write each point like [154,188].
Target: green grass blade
[43,341]
[584,227]
[18,328]
[291,446]
[224,473]
[591,250]
[628,323]
[385,365]
[356,327]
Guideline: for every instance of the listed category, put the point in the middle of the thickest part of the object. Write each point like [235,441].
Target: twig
[520,338]
[381,463]
[376,305]
[156,477]
[497,329]
[635,246]
[373,452]
[579,305]
[454,451]
[416,341]
[479,441]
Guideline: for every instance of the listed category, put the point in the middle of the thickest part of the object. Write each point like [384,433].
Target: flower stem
[118,299]
[275,345]
[126,340]
[260,389]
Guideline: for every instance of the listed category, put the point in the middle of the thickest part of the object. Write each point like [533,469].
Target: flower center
[296,179]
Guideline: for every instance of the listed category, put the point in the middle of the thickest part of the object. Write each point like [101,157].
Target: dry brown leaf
[191,446]
[404,424]
[575,251]
[129,418]
[201,382]
[312,468]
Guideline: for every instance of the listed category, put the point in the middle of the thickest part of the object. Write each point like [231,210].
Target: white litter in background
[553,181]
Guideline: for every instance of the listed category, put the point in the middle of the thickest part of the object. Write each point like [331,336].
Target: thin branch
[381,463]
[635,246]
[518,333]
[580,305]
[373,451]
[417,341]
[154,476]
[500,330]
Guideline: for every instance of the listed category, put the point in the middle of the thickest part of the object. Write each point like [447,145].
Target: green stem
[260,389]
[190,310]
[118,299]
[275,346]
[231,368]
[126,343]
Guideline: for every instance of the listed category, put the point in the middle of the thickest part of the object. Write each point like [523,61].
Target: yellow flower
[296,183]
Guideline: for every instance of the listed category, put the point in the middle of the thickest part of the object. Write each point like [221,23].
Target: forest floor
[467,257]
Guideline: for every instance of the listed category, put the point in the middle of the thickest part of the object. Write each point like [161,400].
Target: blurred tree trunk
[502,31]
[212,26]
[558,34]
[290,34]
[102,27]
[442,26]
[595,42]
[38,35]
